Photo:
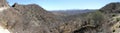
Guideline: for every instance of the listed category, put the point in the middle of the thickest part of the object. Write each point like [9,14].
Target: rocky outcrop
[3,3]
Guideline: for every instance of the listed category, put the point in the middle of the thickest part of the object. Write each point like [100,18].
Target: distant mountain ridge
[72,12]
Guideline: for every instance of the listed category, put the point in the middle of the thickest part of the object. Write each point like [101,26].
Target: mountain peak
[111,8]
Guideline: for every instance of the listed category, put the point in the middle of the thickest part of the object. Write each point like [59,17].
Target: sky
[65,4]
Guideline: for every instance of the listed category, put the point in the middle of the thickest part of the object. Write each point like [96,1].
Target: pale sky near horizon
[65,4]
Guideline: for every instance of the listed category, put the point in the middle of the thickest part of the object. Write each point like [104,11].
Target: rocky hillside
[32,18]
[111,8]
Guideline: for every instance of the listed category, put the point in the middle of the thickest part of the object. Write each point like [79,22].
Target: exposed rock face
[111,8]
[3,3]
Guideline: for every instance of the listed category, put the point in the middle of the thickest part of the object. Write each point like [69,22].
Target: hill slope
[32,18]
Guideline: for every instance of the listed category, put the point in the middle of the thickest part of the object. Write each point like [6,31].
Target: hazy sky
[65,4]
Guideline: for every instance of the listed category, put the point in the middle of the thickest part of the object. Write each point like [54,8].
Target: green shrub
[95,18]
[118,19]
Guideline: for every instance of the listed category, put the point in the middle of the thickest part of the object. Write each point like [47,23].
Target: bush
[118,19]
[95,18]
